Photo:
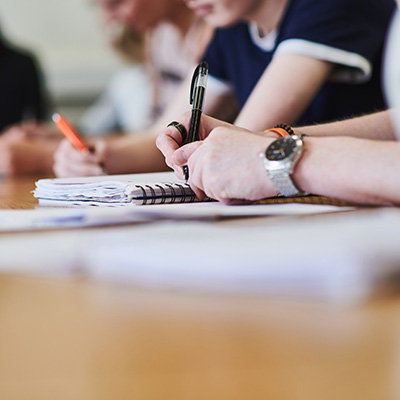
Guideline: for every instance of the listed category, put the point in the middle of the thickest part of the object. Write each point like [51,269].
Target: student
[22,94]
[24,106]
[301,60]
[176,38]
[124,104]
[356,160]
[159,42]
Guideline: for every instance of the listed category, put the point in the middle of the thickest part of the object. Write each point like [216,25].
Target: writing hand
[170,140]
[226,165]
[69,161]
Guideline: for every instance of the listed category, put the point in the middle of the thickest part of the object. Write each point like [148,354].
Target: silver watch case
[280,170]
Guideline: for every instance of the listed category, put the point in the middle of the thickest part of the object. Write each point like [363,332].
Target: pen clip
[199,78]
[193,84]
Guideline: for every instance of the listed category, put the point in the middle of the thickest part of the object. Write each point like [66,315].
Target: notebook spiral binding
[166,193]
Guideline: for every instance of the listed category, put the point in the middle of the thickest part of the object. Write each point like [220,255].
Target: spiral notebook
[114,190]
[138,189]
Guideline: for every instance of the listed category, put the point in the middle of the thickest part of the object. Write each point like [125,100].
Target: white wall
[66,36]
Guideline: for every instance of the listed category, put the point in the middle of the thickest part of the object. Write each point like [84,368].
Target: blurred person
[163,39]
[22,93]
[292,61]
[355,160]
[124,105]
[159,42]
[25,144]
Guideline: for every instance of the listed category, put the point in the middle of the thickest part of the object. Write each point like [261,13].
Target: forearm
[134,154]
[361,171]
[43,158]
[283,92]
[376,126]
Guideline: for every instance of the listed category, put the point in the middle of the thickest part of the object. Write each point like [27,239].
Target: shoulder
[19,58]
[343,9]
[337,21]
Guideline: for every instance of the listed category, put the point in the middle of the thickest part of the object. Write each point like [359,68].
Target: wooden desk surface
[16,193]
[76,339]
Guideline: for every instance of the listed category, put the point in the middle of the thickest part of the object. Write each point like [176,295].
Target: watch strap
[284,183]
[280,172]
[285,127]
[279,131]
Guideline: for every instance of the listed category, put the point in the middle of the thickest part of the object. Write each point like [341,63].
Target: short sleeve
[346,32]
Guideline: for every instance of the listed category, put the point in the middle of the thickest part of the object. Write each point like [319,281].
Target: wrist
[306,169]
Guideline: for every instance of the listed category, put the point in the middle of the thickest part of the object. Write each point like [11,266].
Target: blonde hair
[130,46]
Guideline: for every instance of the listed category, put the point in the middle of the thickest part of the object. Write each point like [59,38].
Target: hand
[170,140]
[31,129]
[69,161]
[225,165]
[22,155]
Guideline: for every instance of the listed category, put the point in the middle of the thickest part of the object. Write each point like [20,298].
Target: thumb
[182,155]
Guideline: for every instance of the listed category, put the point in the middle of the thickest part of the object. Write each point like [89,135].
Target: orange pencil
[70,133]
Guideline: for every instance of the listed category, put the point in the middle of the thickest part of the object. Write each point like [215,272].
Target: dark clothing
[348,33]
[22,96]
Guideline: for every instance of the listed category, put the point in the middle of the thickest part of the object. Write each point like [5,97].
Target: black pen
[197,95]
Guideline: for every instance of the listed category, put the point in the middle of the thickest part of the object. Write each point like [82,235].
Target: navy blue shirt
[349,33]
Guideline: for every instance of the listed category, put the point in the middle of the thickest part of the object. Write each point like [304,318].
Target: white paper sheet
[50,218]
[338,257]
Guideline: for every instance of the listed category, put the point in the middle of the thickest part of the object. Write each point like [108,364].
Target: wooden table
[76,339]
[16,193]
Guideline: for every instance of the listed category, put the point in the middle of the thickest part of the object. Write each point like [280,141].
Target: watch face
[281,149]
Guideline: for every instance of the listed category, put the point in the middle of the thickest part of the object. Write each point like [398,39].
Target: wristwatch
[280,158]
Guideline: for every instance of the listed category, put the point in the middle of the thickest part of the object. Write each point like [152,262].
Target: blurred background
[67,38]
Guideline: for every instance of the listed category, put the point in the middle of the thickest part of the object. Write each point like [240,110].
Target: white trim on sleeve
[218,86]
[352,67]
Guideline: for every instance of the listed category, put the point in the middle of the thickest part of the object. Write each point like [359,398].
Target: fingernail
[184,155]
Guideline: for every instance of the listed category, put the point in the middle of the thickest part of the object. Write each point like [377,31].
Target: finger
[198,192]
[62,169]
[167,144]
[169,140]
[78,156]
[179,173]
[208,124]
[180,128]
[194,180]
[101,152]
[182,155]
[71,162]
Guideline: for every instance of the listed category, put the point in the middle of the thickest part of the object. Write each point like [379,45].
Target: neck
[267,15]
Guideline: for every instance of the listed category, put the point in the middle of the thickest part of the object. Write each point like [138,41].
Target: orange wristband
[279,131]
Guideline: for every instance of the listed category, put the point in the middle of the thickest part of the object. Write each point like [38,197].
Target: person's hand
[171,139]
[69,162]
[30,130]
[225,166]
[23,155]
